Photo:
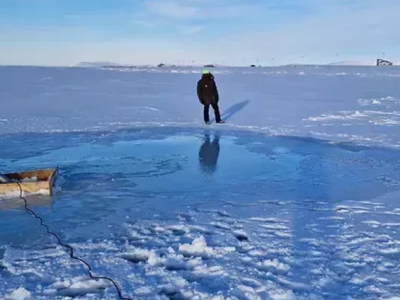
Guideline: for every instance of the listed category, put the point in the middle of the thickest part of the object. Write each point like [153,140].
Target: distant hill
[353,63]
[101,64]
[95,64]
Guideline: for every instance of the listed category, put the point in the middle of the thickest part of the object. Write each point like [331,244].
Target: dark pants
[216,111]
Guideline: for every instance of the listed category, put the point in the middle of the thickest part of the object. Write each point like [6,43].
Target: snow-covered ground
[296,197]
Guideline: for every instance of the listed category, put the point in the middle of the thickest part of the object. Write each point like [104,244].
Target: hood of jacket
[208,76]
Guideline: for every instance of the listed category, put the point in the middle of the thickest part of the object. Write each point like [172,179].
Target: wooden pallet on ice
[39,182]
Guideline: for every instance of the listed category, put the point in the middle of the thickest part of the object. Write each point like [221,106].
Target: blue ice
[320,220]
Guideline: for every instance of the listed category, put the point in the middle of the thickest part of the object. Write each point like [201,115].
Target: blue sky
[64,32]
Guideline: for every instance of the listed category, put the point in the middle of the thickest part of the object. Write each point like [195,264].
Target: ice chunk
[257,252]
[247,293]
[19,294]
[223,213]
[155,260]
[209,272]
[282,295]
[220,225]
[197,248]
[273,265]
[144,291]
[241,235]
[79,286]
[137,255]
[179,229]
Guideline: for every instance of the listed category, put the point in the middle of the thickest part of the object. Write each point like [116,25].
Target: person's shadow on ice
[208,154]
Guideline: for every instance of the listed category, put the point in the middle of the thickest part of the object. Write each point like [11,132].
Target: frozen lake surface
[359,104]
[259,208]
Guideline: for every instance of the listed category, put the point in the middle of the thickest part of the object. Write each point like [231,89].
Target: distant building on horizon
[382,62]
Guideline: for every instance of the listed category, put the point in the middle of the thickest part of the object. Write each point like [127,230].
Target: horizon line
[167,65]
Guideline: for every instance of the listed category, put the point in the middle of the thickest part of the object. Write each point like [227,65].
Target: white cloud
[143,23]
[172,9]
[192,29]
[190,10]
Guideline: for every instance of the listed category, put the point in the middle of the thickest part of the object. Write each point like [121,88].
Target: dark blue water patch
[142,173]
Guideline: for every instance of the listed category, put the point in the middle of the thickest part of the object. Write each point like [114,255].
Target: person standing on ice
[207,93]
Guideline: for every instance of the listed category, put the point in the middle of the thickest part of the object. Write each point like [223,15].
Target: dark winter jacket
[207,91]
